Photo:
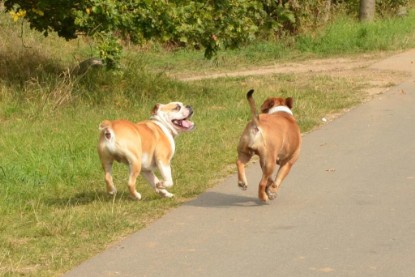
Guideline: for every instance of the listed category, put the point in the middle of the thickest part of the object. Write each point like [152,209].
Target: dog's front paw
[136,196]
[272,192]
[272,195]
[160,185]
[164,185]
[263,197]
[164,193]
[112,192]
[242,185]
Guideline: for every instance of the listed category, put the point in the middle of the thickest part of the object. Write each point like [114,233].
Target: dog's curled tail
[105,128]
[252,105]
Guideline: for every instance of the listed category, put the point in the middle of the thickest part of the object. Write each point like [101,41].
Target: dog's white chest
[168,135]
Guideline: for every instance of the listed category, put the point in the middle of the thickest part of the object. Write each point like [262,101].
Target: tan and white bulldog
[144,146]
[275,137]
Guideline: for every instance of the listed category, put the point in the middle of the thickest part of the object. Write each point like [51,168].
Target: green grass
[344,36]
[54,210]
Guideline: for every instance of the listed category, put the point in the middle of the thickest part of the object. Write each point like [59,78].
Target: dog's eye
[178,107]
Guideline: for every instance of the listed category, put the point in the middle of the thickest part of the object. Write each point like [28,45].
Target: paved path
[346,209]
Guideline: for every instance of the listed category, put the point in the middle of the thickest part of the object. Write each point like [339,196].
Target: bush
[210,25]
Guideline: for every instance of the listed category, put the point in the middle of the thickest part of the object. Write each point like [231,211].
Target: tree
[326,10]
[367,10]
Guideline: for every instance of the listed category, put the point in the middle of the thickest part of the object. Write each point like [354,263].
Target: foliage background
[211,25]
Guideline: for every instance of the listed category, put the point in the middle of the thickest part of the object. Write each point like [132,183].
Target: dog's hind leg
[135,168]
[267,170]
[266,175]
[243,159]
[107,166]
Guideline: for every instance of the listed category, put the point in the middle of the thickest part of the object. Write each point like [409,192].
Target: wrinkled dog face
[176,115]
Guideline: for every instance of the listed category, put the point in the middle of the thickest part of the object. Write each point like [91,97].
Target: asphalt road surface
[346,209]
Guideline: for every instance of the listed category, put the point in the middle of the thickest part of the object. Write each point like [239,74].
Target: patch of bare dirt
[362,68]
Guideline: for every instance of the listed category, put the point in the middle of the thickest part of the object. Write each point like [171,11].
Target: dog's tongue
[186,124]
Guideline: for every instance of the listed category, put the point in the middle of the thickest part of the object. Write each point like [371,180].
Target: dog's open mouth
[184,124]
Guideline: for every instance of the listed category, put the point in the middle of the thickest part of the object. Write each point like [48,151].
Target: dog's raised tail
[252,105]
[105,128]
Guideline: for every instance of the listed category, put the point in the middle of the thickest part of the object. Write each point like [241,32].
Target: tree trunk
[326,11]
[367,10]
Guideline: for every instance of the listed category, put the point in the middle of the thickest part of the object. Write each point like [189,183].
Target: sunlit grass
[52,193]
[346,35]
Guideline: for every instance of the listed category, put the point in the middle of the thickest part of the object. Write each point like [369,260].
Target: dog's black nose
[190,109]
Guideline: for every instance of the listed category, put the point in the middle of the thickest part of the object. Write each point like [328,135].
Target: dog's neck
[164,125]
[284,109]
[168,131]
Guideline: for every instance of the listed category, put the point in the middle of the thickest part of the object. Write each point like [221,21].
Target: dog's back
[114,140]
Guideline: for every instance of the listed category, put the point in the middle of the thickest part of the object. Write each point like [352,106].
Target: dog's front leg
[267,166]
[153,181]
[165,171]
[270,190]
[283,171]
[262,195]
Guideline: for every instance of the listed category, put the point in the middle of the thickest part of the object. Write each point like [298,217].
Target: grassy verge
[344,36]
[55,212]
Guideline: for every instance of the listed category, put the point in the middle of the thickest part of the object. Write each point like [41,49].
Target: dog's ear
[267,105]
[155,109]
[289,102]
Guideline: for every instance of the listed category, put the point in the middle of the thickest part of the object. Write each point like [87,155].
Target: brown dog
[144,146]
[275,137]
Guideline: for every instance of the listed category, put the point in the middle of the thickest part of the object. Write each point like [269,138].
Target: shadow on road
[213,199]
